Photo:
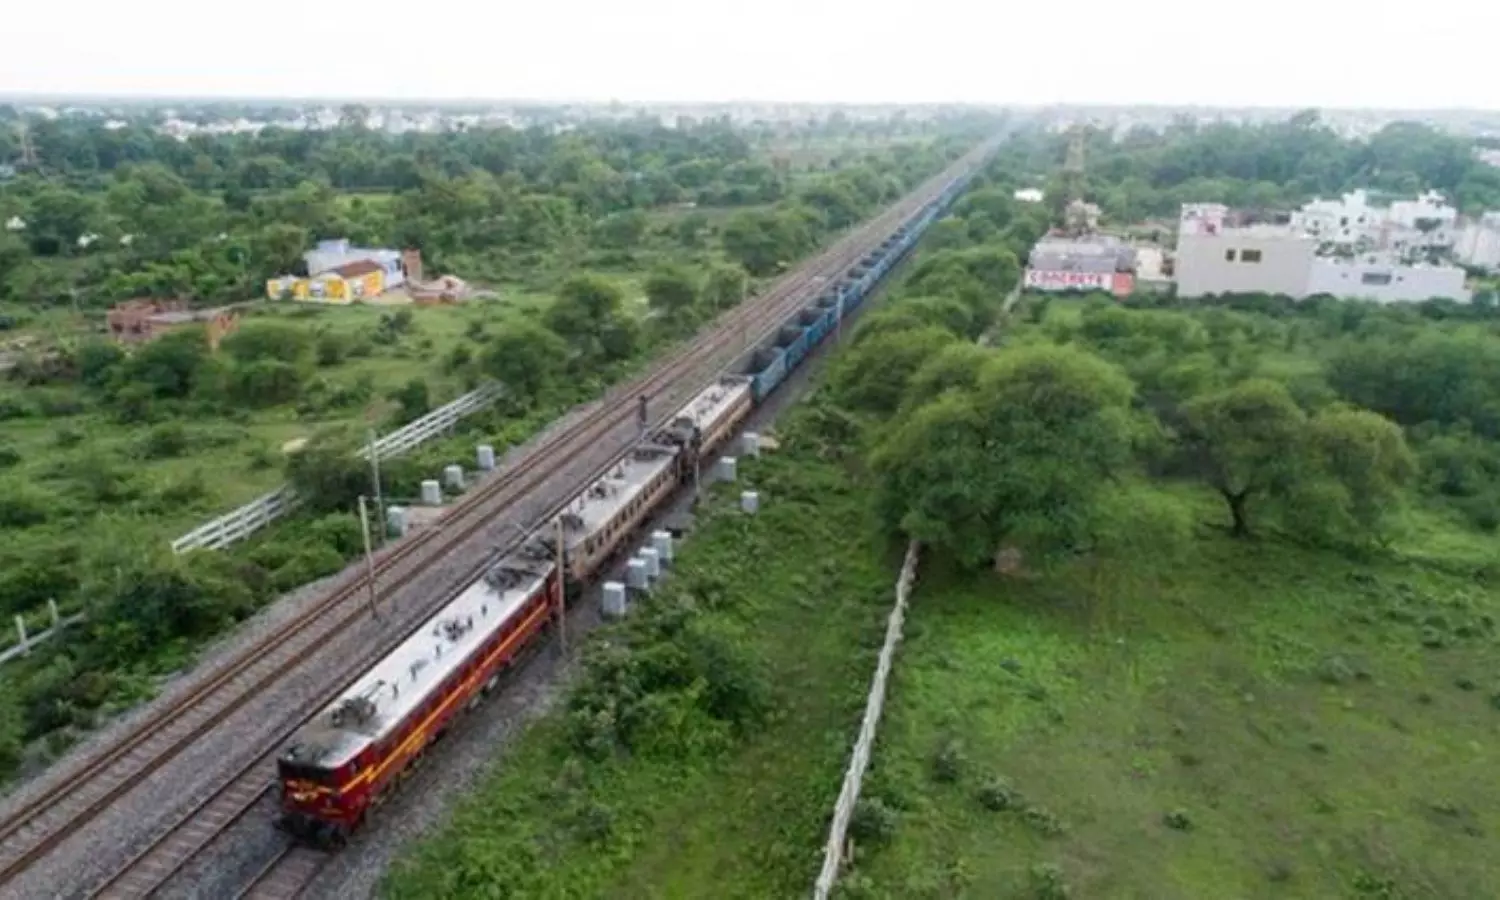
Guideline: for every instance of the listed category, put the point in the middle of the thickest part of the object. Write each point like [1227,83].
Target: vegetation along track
[43,822]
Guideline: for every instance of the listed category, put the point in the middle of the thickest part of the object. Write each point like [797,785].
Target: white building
[1479,243]
[330,255]
[1385,281]
[1346,221]
[1406,226]
[1215,258]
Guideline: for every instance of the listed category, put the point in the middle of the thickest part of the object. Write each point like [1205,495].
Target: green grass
[1281,697]
[807,586]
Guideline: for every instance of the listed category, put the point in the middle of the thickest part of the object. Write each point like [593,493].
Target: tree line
[1318,421]
[1145,174]
[116,212]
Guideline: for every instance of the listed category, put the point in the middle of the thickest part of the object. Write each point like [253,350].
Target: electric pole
[374,453]
[364,529]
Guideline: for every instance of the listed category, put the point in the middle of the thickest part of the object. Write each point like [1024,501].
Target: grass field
[1251,719]
[229,457]
[805,586]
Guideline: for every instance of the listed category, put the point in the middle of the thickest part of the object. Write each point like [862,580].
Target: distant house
[328,256]
[140,320]
[339,273]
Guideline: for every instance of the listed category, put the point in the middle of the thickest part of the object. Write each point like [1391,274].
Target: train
[345,760]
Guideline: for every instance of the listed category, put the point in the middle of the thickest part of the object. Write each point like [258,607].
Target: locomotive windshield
[295,771]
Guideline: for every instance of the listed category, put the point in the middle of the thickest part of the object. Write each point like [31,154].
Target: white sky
[1438,53]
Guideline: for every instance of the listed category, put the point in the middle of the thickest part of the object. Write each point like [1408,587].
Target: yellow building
[348,283]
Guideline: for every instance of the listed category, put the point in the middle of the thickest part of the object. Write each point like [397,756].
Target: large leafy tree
[524,356]
[1022,456]
[1249,442]
[1364,457]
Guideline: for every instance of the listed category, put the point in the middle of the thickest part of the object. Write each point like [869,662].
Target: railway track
[285,876]
[52,816]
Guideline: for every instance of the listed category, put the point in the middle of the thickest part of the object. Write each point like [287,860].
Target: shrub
[267,341]
[331,348]
[166,441]
[1483,511]
[873,823]
[265,382]
[1044,821]
[67,437]
[1047,882]
[948,762]
[12,734]
[305,565]
[13,408]
[459,357]
[1177,820]
[1334,670]
[22,506]
[9,456]
[60,406]
[997,795]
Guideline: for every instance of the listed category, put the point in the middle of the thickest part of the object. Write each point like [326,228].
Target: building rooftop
[357,268]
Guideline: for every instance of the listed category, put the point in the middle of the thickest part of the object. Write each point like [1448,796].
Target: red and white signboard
[1117,283]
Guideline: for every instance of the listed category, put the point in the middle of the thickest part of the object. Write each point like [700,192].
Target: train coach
[602,519]
[345,760]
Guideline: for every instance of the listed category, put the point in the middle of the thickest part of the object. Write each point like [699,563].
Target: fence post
[52,609]
[21,630]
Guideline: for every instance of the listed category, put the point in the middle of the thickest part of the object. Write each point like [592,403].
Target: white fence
[24,641]
[262,511]
[843,810]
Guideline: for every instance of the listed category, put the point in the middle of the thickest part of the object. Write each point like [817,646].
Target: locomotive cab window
[304,772]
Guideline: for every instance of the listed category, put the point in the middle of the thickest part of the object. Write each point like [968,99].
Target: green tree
[98,362]
[726,286]
[171,365]
[1366,457]
[873,375]
[1249,442]
[588,314]
[622,230]
[268,341]
[1022,457]
[766,242]
[672,292]
[265,382]
[413,401]
[525,357]
[328,476]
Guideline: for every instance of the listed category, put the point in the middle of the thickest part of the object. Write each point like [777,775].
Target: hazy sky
[1439,53]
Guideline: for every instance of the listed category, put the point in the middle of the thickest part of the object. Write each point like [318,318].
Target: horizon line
[456,100]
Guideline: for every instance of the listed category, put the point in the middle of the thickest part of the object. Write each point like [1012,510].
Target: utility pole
[374,453]
[642,414]
[364,529]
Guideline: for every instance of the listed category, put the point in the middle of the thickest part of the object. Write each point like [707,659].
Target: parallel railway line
[49,818]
